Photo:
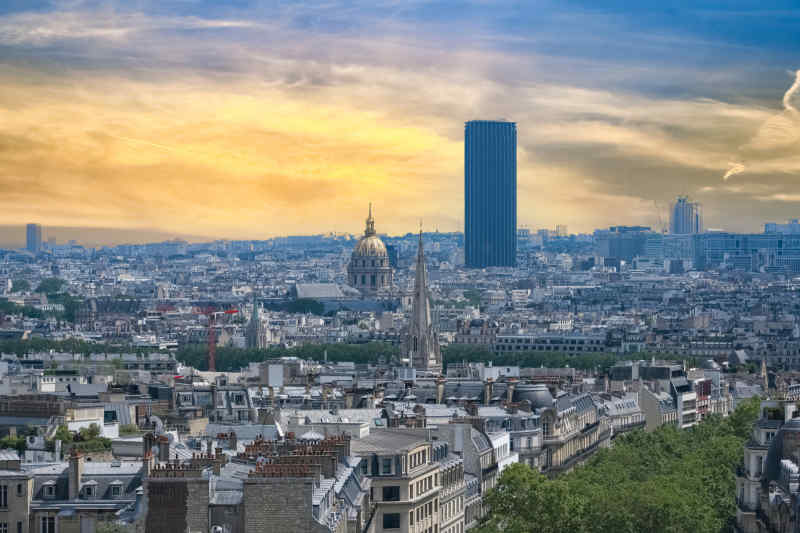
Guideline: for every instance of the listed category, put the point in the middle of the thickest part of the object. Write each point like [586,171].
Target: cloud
[733,169]
[44,28]
[281,118]
[778,136]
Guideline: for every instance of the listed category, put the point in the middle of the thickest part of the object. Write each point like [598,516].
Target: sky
[250,119]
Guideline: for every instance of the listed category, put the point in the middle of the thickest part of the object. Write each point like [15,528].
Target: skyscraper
[33,241]
[686,217]
[490,193]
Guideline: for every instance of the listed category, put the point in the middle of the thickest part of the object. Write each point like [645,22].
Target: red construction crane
[212,313]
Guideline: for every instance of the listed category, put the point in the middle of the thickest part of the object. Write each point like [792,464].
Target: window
[19,489]
[48,524]
[19,527]
[88,491]
[411,518]
[116,490]
[391,494]
[386,466]
[50,490]
[3,527]
[3,496]
[390,521]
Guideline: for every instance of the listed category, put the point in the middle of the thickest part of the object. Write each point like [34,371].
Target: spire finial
[370,230]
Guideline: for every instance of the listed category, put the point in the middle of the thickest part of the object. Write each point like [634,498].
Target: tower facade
[490,193]
[369,270]
[686,218]
[421,344]
[33,238]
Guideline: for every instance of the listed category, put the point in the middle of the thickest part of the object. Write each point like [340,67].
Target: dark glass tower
[490,193]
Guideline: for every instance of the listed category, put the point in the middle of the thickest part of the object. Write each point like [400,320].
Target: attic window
[116,490]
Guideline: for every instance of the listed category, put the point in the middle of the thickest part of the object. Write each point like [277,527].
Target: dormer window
[90,489]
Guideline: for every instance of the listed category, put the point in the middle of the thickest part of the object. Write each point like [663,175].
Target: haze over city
[255,119]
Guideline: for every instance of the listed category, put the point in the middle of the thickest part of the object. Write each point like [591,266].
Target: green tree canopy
[669,480]
[50,285]
[20,285]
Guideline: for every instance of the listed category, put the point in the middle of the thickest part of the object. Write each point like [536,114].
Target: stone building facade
[369,270]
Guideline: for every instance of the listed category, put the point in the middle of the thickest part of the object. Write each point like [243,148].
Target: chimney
[148,463]
[163,448]
[232,441]
[440,390]
[512,384]
[75,473]
[487,391]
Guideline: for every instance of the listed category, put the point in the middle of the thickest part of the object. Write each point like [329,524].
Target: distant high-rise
[490,193]
[686,217]
[33,241]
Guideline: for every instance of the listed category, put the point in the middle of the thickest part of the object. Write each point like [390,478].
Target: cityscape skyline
[248,120]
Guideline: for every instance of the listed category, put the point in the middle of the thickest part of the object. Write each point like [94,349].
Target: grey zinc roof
[9,455]
[244,432]
[318,290]
[386,440]
[226,497]
[102,475]
[479,440]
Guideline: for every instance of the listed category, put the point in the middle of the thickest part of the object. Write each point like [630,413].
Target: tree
[20,285]
[63,434]
[670,480]
[50,285]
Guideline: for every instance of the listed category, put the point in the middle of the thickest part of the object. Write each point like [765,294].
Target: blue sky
[248,119]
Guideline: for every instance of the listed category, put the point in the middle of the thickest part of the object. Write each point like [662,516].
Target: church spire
[253,337]
[422,342]
[370,230]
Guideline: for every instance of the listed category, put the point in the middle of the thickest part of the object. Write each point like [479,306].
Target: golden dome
[370,246]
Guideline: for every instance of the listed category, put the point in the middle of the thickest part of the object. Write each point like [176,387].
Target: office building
[490,193]
[792,227]
[686,217]
[33,241]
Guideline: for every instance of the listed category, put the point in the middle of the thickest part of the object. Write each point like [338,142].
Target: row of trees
[231,359]
[669,480]
[71,345]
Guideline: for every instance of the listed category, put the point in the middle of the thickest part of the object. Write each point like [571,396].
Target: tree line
[670,480]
